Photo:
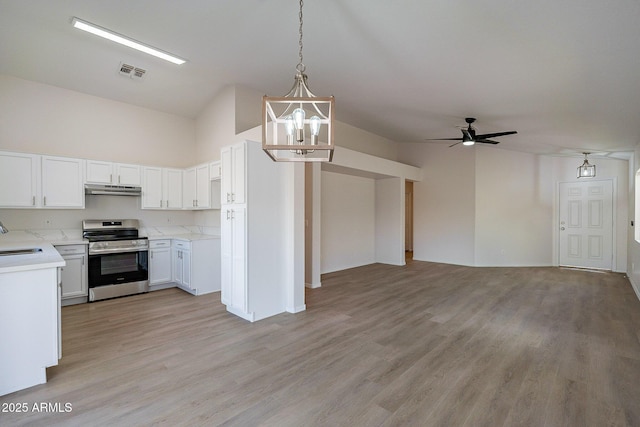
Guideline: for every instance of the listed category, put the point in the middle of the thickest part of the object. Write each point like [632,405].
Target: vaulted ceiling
[564,74]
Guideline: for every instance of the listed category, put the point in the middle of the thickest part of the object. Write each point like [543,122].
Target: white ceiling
[564,74]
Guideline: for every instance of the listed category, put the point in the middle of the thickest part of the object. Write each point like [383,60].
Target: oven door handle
[116,251]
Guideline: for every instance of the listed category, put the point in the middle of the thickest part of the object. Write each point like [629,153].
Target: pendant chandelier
[298,127]
[585,170]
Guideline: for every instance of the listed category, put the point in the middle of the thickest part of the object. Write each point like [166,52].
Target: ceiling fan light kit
[586,170]
[469,136]
[298,127]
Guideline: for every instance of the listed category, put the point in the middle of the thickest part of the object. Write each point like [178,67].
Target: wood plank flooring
[426,344]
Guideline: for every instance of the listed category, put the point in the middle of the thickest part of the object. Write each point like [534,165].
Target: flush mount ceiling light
[298,127]
[124,40]
[585,170]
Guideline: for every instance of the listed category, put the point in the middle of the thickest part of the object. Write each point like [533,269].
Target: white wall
[513,209]
[43,119]
[443,203]
[215,126]
[348,221]
[360,140]
[487,206]
[389,221]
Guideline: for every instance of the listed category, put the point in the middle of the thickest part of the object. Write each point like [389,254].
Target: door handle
[562,228]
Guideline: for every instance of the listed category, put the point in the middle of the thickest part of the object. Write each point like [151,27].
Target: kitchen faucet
[3,229]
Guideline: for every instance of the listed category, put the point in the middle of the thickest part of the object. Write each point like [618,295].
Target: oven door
[117,268]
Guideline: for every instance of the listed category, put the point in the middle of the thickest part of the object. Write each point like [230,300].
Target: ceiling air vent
[131,71]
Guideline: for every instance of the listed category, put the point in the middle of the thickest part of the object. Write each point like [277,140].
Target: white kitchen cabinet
[33,181]
[62,182]
[214,170]
[19,177]
[74,273]
[233,257]
[161,188]
[196,265]
[30,312]
[197,188]
[159,262]
[233,174]
[99,172]
[181,253]
[254,256]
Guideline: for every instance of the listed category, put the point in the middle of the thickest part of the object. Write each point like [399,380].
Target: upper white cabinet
[33,181]
[62,182]
[214,170]
[196,189]
[99,172]
[19,175]
[233,176]
[161,188]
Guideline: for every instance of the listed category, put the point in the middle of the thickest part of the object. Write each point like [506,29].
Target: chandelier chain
[300,67]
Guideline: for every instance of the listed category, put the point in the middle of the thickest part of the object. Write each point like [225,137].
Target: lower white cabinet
[159,262]
[196,265]
[74,273]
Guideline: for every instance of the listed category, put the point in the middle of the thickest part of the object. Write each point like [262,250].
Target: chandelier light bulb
[314,125]
[289,125]
[298,118]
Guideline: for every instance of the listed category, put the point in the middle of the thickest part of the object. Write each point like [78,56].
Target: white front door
[586,224]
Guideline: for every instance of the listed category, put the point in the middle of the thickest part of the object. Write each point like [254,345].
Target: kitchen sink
[20,251]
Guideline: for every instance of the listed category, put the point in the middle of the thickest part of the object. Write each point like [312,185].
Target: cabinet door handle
[44,201]
[151,255]
[33,201]
[110,177]
[167,204]
[118,179]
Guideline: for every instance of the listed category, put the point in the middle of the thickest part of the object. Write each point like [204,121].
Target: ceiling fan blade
[487,141]
[493,135]
[453,145]
[444,139]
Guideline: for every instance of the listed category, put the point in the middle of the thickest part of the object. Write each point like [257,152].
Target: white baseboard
[297,309]
[313,285]
[635,287]
[251,317]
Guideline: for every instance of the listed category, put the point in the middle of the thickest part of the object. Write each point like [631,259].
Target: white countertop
[189,237]
[58,237]
[48,258]
[185,233]
[54,237]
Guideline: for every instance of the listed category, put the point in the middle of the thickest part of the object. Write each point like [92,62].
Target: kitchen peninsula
[29,314]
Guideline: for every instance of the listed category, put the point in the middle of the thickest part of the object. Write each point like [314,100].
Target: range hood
[112,190]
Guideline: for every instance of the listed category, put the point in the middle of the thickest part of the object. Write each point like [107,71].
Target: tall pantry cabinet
[253,232]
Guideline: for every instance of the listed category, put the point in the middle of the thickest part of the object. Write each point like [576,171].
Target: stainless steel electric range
[118,258]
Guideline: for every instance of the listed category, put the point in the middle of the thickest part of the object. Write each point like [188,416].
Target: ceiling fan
[469,136]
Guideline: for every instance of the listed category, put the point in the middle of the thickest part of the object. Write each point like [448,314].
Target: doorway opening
[408,220]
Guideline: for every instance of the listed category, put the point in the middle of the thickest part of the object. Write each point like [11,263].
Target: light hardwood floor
[426,344]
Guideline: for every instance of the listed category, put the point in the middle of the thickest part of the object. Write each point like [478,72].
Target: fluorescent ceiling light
[118,38]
